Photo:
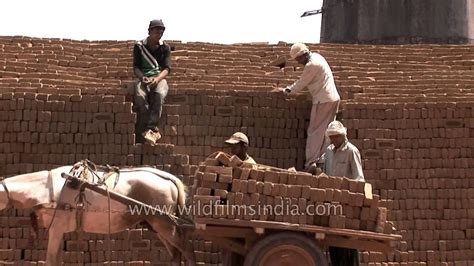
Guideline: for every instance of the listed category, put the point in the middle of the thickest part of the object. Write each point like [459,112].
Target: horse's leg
[170,234]
[62,222]
[170,248]
[54,254]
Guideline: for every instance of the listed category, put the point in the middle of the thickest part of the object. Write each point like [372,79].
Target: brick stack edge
[409,109]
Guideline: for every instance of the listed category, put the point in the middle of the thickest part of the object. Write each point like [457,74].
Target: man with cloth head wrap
[342,158]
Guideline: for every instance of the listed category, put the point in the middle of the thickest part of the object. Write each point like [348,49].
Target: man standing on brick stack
[342,158]
[318,78]
[151,64]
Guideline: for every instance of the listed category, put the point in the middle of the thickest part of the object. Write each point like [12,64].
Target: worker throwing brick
[342,158]
[151,64]
[318,78]
[239,144]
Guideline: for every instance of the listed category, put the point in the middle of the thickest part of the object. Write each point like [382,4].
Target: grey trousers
[149,105]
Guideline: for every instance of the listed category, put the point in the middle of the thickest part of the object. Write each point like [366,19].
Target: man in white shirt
[318,78]
[341,158]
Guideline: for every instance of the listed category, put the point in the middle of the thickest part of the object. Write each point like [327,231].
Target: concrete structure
[398,21]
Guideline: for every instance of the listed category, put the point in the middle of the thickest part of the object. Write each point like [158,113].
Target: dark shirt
[162,55]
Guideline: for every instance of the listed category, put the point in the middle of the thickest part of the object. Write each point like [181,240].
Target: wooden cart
[265,243]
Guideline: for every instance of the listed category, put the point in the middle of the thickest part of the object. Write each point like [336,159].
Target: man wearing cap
[318,78]
[239,144]
[342,158]
[151,64]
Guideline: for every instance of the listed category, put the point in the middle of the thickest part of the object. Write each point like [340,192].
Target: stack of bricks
[104,67]
[199,122]
[401,103]
[41,131]
[419,156]
[231,189]
[136,246]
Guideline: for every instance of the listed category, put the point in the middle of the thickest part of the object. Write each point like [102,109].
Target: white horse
[60,212]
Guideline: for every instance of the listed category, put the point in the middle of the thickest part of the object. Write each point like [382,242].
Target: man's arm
[165,64]
[308,75]
[356,166]
[136,63]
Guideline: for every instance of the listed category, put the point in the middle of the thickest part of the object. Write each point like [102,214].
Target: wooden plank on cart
[220,231]
[299,227]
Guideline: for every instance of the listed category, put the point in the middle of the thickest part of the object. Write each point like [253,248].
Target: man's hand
[146,80]
[284,91]
[154,82]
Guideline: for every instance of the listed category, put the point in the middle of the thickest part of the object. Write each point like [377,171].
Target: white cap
[298,49]
[238,137]
[336,128]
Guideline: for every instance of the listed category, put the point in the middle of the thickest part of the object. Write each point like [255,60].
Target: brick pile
[41,131]
[131,247]
[419,156]
[103,67]
[228,184]
[198,123]
[408,108]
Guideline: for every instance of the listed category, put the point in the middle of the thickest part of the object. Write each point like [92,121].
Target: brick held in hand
[234,161]
[224,159]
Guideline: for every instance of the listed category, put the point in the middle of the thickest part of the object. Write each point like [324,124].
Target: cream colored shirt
[344,161]
[249,160]
[317,76]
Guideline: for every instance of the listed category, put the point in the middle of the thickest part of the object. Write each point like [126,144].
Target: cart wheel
[285,249]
